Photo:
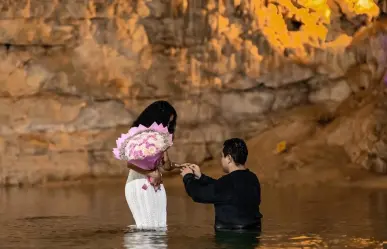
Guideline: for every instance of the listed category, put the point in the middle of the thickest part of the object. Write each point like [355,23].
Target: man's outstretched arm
[198,174]
[202,193]
[204,179]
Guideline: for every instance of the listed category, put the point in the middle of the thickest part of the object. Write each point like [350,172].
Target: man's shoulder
[225,179]
[253,175]
[244,174]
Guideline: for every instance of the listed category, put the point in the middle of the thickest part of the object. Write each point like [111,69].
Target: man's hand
[195,169]
[185,170]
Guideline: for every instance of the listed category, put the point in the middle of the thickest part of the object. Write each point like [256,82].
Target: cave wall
[74,74]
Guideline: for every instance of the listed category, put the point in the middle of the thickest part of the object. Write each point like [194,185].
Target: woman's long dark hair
[159,112]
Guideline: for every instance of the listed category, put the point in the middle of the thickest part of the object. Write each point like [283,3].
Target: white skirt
[148,207]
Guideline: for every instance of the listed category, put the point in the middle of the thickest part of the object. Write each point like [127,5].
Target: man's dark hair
[159,112]
[237,149]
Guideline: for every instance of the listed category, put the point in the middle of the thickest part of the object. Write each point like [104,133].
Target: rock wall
[75,74]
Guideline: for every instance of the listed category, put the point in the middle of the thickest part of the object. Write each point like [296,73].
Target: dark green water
[97,216]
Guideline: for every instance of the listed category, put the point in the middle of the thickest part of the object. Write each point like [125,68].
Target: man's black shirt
[236,197]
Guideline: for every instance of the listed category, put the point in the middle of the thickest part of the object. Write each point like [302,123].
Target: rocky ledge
[74,75]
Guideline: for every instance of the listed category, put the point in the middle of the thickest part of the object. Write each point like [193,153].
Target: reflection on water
[234,239]
[145,239]
[98,217]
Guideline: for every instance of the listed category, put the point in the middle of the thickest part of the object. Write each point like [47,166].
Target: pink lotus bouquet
[143,146]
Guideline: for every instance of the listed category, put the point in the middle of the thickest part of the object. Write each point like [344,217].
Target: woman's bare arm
[154,174]
[138,170]
[168,164]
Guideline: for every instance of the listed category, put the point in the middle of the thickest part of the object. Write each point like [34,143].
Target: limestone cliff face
[74,74]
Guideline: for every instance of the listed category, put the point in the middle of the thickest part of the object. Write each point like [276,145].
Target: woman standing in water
[144,190]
